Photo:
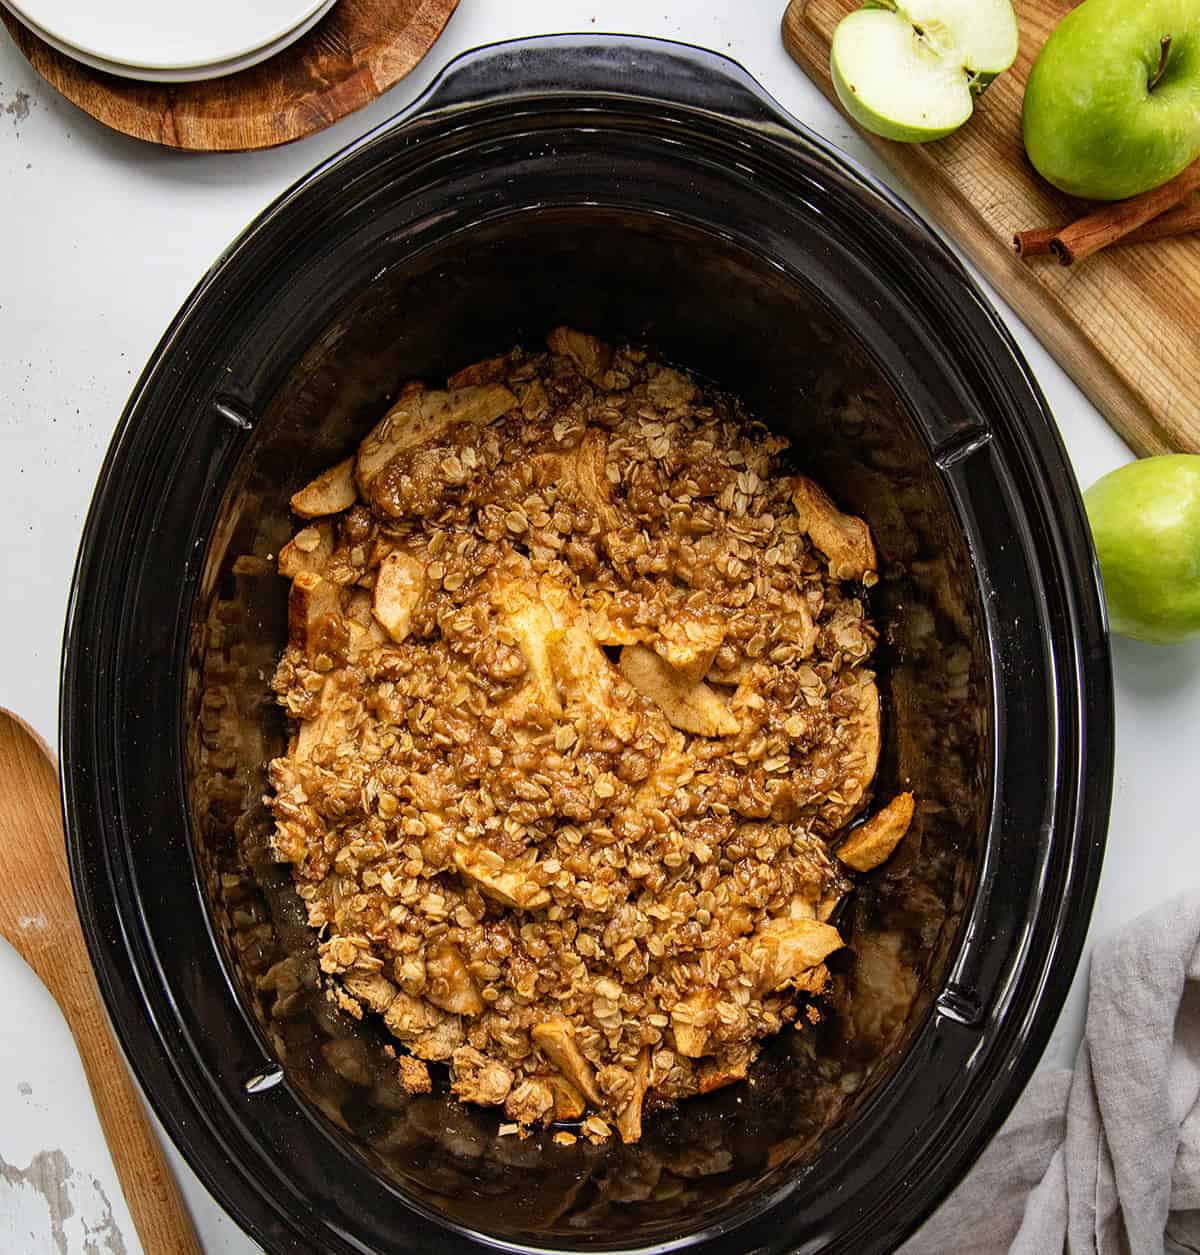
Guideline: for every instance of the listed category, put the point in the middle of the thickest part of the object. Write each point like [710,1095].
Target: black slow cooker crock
[636,189]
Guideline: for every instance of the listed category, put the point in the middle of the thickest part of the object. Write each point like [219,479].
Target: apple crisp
[582,700]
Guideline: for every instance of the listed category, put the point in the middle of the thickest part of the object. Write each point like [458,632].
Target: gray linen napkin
[1104,1160]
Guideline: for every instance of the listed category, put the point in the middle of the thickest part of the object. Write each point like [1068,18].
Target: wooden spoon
[38,918]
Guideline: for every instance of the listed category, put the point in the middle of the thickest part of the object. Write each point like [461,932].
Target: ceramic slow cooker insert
[634,189]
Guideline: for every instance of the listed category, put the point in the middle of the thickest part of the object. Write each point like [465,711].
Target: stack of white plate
[169,41]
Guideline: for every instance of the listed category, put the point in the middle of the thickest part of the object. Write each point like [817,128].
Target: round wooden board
[355,53]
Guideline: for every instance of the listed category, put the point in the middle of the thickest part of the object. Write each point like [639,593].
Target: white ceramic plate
[165,34]
[185,75]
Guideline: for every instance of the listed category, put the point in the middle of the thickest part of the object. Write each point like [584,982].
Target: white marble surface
[101,239]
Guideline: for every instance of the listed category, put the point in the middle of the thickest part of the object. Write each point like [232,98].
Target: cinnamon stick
[1108,225]
[1181,221]
[1035,242]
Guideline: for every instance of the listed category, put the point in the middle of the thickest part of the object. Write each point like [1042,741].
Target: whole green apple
[1146,524]
[1112,106]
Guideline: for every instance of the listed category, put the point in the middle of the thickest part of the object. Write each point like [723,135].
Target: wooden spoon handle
[37,894]
[154,1200]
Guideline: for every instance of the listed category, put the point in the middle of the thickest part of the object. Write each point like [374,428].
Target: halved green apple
[911,70]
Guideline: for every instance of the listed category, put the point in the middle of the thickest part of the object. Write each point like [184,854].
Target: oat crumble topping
[581,688]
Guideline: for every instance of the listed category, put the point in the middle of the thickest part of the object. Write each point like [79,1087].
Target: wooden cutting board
[1124,324]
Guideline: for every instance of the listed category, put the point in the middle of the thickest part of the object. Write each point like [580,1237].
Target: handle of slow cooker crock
[622,66]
